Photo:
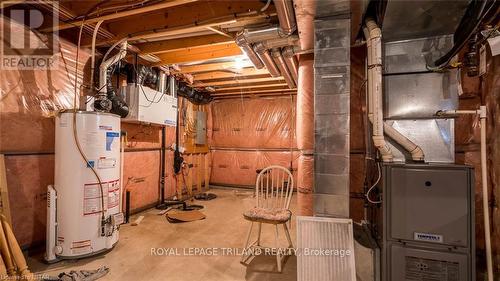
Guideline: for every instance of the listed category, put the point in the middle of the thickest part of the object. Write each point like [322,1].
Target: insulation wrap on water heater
[79,202]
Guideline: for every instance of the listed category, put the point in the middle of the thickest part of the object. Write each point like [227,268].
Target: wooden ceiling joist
[207,67]
[192,14]
[253,89]
[199,54]
[248,72]
[165,46]
[122,14]
[239,82]
[254,92]
[253,86]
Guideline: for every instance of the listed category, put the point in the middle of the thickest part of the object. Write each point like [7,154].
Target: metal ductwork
[262,34]
[280,63]
[242,42]
[280,42]
[286,16]
[291,62]
[267,59]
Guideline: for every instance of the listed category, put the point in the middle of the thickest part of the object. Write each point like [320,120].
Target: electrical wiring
[367,195]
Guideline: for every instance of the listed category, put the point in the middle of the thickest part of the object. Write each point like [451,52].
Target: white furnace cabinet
[74,226]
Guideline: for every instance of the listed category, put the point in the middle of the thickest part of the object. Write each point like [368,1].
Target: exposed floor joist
[254,92]
[199,54]
[253,89]
[122,14]
[166,46]
[220,74]
[206,67]
[253,86]
[239,82]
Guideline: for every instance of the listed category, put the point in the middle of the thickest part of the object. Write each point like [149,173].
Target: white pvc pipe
[375,114]
[104,66]
[417,154]
[484,181]
[92,64]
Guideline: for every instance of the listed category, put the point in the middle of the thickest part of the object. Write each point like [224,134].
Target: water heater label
[92,197]
[427,237]
[110,140]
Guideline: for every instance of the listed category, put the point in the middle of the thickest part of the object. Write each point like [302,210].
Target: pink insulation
[305,184]
[238,168]
[305,105]
[253,123]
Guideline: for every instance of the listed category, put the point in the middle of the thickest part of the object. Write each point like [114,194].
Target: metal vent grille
[325,249]
[433,270]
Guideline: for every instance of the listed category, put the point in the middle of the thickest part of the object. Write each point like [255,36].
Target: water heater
[83,215]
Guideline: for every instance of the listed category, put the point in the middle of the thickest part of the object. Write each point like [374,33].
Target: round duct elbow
[266,58]
[247,49]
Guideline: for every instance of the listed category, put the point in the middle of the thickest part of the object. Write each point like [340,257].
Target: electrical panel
[150,106]
[426,225]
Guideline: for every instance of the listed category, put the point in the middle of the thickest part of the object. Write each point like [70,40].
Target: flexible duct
[373,36]
[291,62]
[248,50]
[305,183]
[280,63]
[305,105]
[286,16]
[267,59]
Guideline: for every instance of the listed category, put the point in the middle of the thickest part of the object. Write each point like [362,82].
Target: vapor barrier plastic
[29,96]
[254,123]
[239,168]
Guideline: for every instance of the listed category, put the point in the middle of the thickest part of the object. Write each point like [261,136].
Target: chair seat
[265,215]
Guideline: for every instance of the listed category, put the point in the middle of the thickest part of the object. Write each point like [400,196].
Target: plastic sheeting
[27,97]
[254,123]
[238,168]
[305,184]
[305,105]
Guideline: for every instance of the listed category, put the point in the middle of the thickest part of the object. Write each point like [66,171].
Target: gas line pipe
[481,112]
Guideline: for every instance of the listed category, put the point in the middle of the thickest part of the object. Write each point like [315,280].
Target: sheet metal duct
[286,16]
[262,34]
[281,64]
[267,59]
[291,62]
[247,49]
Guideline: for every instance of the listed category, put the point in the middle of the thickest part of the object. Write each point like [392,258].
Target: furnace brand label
[427,237]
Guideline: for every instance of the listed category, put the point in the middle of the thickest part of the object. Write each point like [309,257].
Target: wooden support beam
[126,13]
[207,67]
[249,87]
[165,46]
[256,95]
[230,74]
[199,54]
[239,82]
[254,92]
[192,14]
[253,89]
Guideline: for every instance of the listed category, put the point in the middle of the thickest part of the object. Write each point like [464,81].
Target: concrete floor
[224,228]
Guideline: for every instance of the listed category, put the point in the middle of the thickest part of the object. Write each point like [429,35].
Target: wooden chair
[273,192]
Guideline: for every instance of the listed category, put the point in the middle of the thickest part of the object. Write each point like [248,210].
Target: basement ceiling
[197,36]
